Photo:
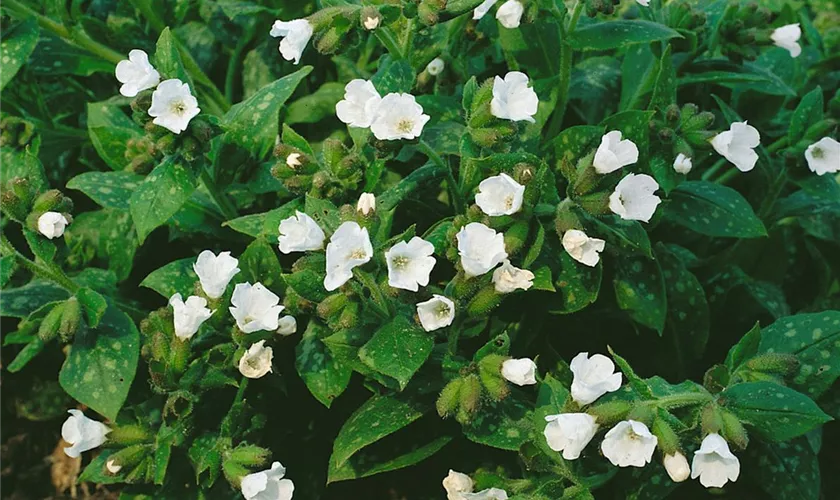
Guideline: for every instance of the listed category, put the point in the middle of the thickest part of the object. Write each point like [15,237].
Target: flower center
[442,311]
[509,201]
[178,108]
[817,153]
[358,254]
[405,125]
[400,261]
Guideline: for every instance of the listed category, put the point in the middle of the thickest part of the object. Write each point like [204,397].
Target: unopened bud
[596,203]
[667,439]
[469,396]
[51,323]
[447,402]
[329,41]
[366,204]
[776,363]
[677,467]
[127,435]
[70,319]
[733,430]
[711,420]
[489,371]
[249,455]
[516,236]
[483,302]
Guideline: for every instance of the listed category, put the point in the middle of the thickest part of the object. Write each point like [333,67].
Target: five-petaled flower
[582,248]
[508,278]
[398,116]
[633,198]
[349,247]
[52,224]
[737,145]
[569,433]
[256,361]
[787,37]
[189,315]
[268,484]
[300,233]
[520,371]
[410,263]
[215,272]
[593,377]
[360,103]
[136,73]
[82,433]
[481,248]
[714,464]
[500,195]
[824,156]
[513,99]
[295,34]
[629,444]
[255,307]
[614,153]
[437,312]
[173,105]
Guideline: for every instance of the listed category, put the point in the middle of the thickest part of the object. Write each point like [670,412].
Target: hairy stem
[54,274]
[454,191]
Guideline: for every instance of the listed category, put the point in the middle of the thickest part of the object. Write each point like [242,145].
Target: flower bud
[13,205]
[127,435]
[668,441]
[610,412]
[429,11]
[469,398]
[484,302]
[70,319]
[332,305]
[329,42]
[776,363]
[711,420]
[52,200]
[516,236]
[249,455]
[733,431]
[677,466]
[672,114]
[489,371]
[370,18]
[51,323]
[125,458]
[449,399]
[596,203]
[366,204]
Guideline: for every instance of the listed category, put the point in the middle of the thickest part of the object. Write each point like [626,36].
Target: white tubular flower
[136,73]
[293,160]
[787,37]
[481,248]
[361,100]
[677,467]
[510,14]
[52,224]
[488,494]
[714,464]
[633,198]
[582,248]
[437,312]
[593,377]
[507,278]
[189,315]
[255,307]
[569,433]
[173,105]
[366,203]
[112,467]
[215,272]
[614,153]
[300,233]
[737,144]
[82,433]
[295,34]
[500,195]
[287,325]
[823,157]
[435,66]
[348,248]
[645,3]
[256,361]
[371,23]
[629,444]
[398,116]
[682,164]
[268,484]
[410,264]
[520,371]
[513,99]
[483,9]
[457,483]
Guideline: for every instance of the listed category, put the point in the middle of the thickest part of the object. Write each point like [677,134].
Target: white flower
[287,325]
[593,377]
[582,248]
[787,37]
[677,467]
[349,247]
[52,224]
[682,164]
[82,433]
[255,307]
[633,198]
[189,315]
[215,272]
[398,116]
[823,156]
[520,371]
[737,144]
[508,278]
[300,233]
[437,312]
[481,248]
[510,14]
[714,463]
[293,160]
[371,22]
[361,100]
[136,73]
[513,99]
[410,264]
[113,467]
[295,34]
[268,484]
[366,203]
[500,195]
[483,9]
[569,433]
[614,153]
[173,106]
[645,3]
[435,66]
[456,483]
[629,444]
[256,361]
[488,494]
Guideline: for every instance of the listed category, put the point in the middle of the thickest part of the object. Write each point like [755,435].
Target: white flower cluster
[393,117]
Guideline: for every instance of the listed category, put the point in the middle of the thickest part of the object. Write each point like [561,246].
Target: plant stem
[727,176]
[708,174]
[386,36]
[454,191]
[566,55]
[779,144]
[224,203]
[234,63]
[53,274]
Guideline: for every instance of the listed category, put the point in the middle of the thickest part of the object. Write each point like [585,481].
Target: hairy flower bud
[449,399]
[70,319]
[51,323]
[733,430]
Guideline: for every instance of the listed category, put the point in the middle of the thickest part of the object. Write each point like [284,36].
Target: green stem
[781,143]
[381,303]
[454,191]
[234,63]
[413,181]
[54,274]
[708,174]
[566,56]
[386,36]
[727,176]
[226,206]
[576,12]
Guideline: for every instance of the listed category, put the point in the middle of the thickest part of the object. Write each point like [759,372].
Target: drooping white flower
[593,377]
[520,371]
[349,247]
[136,73]
[483,9]
[823,156]
[113,467]
[361,100]
[189,315]
[645,3]
[500,195]
[268,484]
[398,116]
[633,198]
[52,224]
[677,467]
[287,326]
[614,153]
[507,278]
[300,233]
[371,22]
[481,248]
[366,203]
[435,66]
[255,307]
[569,433]
[410,264]
[582,248]
[513,99]
[682,164]
[295,34]
[629,444]
[256,361]
[737,144]
[437,312]
[714,464]
[215,272]
[510,13]
[456,483]
[787,37]
[173,105]
[82,433]
[293,160]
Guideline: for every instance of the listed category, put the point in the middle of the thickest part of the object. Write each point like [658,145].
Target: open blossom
[295,34]
[410,264]
[366,203]
[435,66]
[513,99]
[510,14]
[483,9]
[569,433]
[371,22]
[300,233]
[787,37]
[215,272]
[361,100]
[437,312]
[52,224]
[348,248]
[293,160]
[507,278]
[398,116]
[255,307]
[714,464]
[633,198]
[677,467]
[459,486]
[481,248]
[268,484]
[173,105]
[823,156]
[629,444]
[287,325]
[593,377]
[82,433]
[645,3]
[256,361]
[520,371]
[136,73]
[682,164]
[189,315]
[614,153]
[582,248]
[500,195]
[737,145]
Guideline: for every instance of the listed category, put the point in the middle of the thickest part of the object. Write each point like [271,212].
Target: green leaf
[20,302]
[745,349]
[108,189]
[614,34]
[575,142]
[808,112]
[636,382]
[176,277]
[27,354]
[393,75]
[688,312]
[259,264]
[314,107]
[324,376]
[535,45]
[24,164]
[713,210]
[578,285]
[42,247]
[266,224]
[639,71]
[110,130]
[18,43]
[160,196]
[8,266]
[53,56]
[634,125]
[367,463]
[665,87]
[324,213]
[640,290]
[505,425]
[627,235]
[168,60]
[112,234]
[785,471]
[397,349]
